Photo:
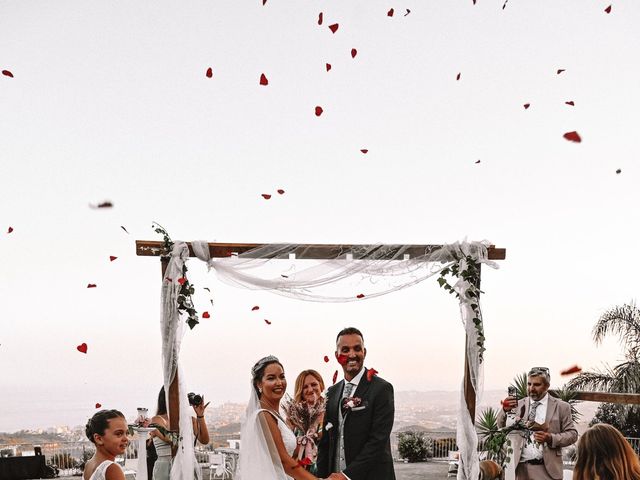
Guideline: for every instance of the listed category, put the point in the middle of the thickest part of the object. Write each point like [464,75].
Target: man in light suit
[541,459]
[355,441]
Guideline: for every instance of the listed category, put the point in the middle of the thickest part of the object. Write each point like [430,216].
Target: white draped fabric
[368,271]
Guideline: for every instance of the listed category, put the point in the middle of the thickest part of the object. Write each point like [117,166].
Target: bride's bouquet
[305,421]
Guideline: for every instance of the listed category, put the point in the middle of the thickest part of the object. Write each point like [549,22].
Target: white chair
[217,466]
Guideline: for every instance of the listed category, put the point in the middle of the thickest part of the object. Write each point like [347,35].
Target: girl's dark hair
[162,402]
[100,422]
[257,372]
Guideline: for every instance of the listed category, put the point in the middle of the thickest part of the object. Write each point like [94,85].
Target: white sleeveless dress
[101,471]
[288,437]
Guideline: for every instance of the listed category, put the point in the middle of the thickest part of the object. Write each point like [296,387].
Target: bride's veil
[259,459]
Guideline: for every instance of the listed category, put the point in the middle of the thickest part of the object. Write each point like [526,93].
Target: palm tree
[623,322]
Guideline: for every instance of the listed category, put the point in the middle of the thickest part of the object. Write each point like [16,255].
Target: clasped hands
[336,476]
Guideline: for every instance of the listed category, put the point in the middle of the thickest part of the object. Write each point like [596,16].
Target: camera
[194,399]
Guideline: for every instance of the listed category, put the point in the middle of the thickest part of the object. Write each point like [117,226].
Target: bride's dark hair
[100,422]
[257,372]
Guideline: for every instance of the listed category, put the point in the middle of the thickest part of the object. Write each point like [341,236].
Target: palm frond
[602,381]
[487,421]
[567,395]
[520,384]
[623,322]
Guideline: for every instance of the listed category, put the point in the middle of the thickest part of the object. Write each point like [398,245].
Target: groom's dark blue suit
[367,446]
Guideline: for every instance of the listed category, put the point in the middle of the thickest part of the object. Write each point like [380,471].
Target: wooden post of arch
[148,248]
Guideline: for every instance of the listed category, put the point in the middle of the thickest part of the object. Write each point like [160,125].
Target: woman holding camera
[162,467]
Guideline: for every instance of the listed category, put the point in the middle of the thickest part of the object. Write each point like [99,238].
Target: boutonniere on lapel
[352,404]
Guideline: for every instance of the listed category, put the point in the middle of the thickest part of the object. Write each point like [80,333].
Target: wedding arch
[330,273]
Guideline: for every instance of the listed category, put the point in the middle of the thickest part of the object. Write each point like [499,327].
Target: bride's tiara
[262,362]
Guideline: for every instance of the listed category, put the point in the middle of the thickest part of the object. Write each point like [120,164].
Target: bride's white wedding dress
[259,459]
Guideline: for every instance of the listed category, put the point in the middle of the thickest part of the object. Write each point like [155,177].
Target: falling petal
[526,106]
[263,79]
[571,370]
[354,52]
[255,308]
[570,102]
[559,71]
[266,196]
[326,359]
[458,76]
[390,13]
[280,191]
[112,258]
[408,12]
[334,27]
[320,18]
[82,348]
[98,405]
[207,289]
[335,376]
[328,66]
[10,229]
[91,285]
[573,137]
[124,229]
[608,9]
[182,280]
[477,161]
[102,205]
[319,111]
[205,315]
[371,372]
[7,73]
[618,171]
[360,295]
[365,150]
[209,72]
[267,321]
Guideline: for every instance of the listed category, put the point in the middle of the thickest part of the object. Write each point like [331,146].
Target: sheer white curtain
[361,272]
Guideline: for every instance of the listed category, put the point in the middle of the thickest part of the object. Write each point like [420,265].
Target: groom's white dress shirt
[533,450]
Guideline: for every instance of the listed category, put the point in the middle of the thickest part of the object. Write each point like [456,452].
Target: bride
[267,444]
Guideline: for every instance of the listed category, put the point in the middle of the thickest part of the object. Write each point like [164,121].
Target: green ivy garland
[185,295]
[472,275]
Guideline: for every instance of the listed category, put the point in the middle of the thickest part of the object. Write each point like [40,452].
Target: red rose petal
[570,102]
[112,258]
[10,229]
[7,73]
[267,321]
[91,285]
[335,376]
[408,12]
[365,150]
[371,373]
[354,52]
[182,280]
[573,137]
[280,191]
[255,308]
[342,359]
[98,405]
[319,111]
[526,106]
[124,229]
[360,295]
[390,13]
[559,71]
[82,348]
[263,79]
[327,66]
[458,76]
[571,370]
[206,315]
[334,27]
[304,462]
[326,359]
[320,18]
[209,72]
[607,10]
[264,2]
[266,196]
[477,161]
[618,171]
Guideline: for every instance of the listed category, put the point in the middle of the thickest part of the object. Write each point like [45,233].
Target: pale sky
[110,101]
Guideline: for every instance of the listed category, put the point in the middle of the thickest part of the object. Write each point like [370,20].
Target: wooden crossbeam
[149,248]
[605,397]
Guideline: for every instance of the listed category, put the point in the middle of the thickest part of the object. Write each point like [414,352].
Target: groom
[355,442]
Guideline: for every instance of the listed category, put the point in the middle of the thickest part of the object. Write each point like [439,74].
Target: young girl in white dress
[108,430]
[267,444]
